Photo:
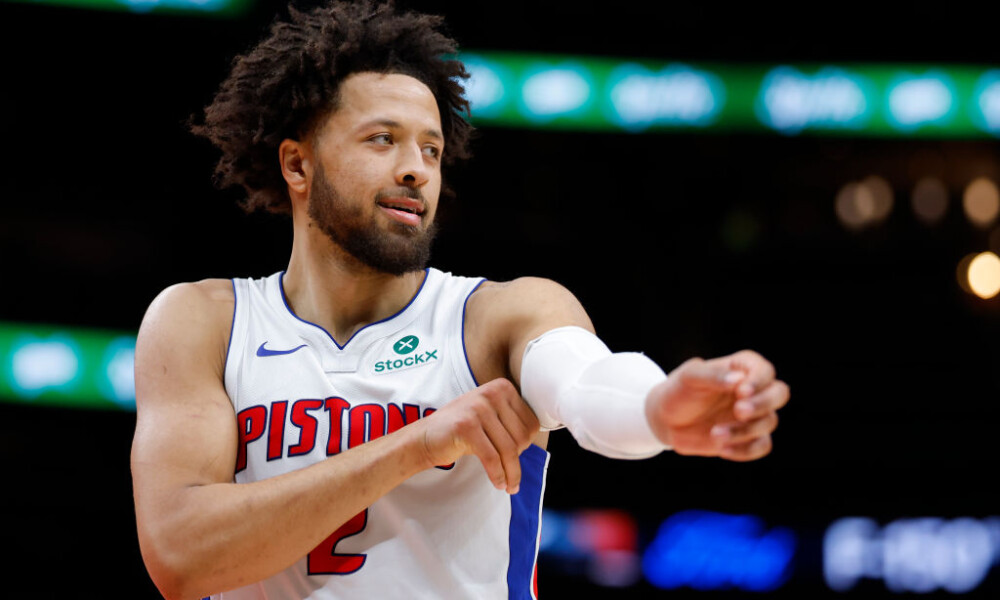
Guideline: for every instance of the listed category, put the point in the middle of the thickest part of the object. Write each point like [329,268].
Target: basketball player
[353,427]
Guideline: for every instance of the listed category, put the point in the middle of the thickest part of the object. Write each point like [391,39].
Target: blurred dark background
[678,244]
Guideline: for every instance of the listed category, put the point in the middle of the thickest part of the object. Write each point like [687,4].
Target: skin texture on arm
[200,532]
[724,407]
[502,317]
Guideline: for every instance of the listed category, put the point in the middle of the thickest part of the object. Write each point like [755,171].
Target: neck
[327,286]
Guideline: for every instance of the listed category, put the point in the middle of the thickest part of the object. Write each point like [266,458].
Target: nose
[412,169]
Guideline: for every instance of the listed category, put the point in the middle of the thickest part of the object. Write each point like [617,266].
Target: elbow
[170,572]
[169,582]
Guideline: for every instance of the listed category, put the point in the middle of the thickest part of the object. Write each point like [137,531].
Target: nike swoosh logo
[262,351]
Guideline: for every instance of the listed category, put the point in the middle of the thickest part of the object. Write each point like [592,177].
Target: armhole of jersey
[237,339]
[466,366]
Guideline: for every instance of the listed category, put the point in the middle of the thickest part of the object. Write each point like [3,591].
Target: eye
[432,151]
[383,139]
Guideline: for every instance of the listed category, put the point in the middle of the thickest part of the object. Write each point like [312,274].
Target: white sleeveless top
[299,396]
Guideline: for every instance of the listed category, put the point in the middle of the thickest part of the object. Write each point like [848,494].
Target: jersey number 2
[324,561]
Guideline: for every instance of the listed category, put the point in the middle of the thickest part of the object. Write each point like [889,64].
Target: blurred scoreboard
[595,93]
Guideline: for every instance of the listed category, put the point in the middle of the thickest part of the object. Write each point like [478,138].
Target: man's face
[376,185]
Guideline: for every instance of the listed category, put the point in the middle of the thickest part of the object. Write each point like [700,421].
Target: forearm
[203,539]
[570,378]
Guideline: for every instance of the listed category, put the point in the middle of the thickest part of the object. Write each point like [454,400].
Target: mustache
[399,192]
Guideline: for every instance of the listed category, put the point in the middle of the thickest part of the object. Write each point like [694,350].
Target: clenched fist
[492,422]
[724,407]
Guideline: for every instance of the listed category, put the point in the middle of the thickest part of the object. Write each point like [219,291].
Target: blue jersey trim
[465,352]
[281,285]
[525,524]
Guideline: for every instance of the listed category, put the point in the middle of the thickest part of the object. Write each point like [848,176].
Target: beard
[396,249]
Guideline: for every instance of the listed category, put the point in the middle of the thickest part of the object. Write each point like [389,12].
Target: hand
[492,422]
[724,407]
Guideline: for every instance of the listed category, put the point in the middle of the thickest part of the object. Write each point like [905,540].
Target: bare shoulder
[186,325]
[205,301]
[205,295]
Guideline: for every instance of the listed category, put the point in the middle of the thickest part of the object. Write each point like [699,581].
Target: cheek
[432,192]
[353,177]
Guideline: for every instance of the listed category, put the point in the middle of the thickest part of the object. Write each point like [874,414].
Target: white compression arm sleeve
[570,378]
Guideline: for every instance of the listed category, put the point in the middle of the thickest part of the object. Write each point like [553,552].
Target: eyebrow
[434,133]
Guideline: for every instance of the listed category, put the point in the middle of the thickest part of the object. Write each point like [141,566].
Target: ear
[296,167]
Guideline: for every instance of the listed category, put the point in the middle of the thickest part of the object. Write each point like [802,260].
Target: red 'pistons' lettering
[306,424]
[400,416]
[364,423]
[251,422]
[336,407]
[367,422]
[276,430]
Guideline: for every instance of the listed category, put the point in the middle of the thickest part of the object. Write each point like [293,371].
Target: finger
[517,423]
[502,443]
[514,413]
[730,434]
[481,446]
[513,410]
[509,453]
[718,373]
[759,372]
[748,451]
[772,397]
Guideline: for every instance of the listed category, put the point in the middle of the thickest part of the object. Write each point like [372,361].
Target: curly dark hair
[290,81]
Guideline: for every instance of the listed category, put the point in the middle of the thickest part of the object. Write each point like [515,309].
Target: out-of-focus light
[118,385]
[39,365]
[984,275]
[615,568]
[987,102]
[604,542]
[855,205]
[881,193]
[711,551]
[929,200]
[849,554]
[552,92]
[962,272]
[915,101]
[910,555]
[86,368]
[677,95]
[485,89]
[791,101]
[981,201]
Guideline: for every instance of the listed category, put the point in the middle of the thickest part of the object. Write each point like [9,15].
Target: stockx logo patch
[407,354]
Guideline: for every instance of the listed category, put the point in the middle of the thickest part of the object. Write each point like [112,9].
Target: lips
[407,205]
[407,211]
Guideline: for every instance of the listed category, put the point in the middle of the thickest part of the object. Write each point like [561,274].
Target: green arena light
[645,96]
[67,366]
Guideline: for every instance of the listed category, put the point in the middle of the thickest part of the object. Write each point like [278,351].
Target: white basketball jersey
[299,396]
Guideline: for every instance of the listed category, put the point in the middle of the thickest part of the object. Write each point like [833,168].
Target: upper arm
[185,430]
[503,317]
